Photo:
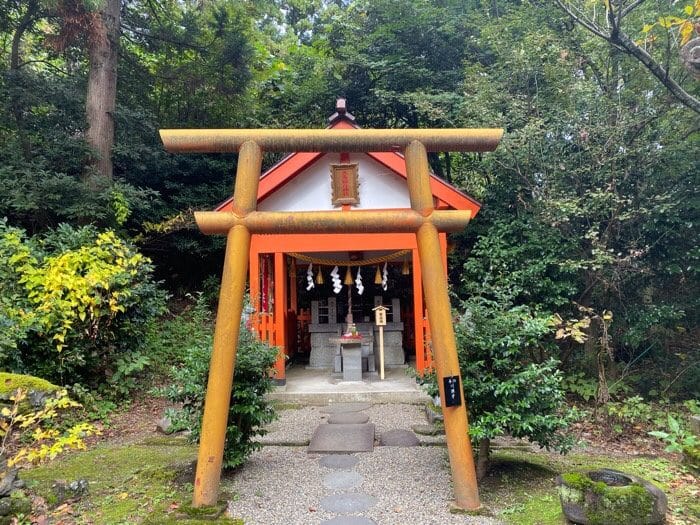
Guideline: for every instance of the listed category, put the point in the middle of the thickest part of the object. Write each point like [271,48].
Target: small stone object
[8,481]
[433,414]
[428,430]
[70,491]
[16,503]
[349,520]
[348,502]
[5,506]
[348,418]
[164,425]
[695,425]
[399,438]
[342,479]
[610,496]
[339,408]
[342,439]
[339,461]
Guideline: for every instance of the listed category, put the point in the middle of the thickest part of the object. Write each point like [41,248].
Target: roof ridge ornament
[341,111]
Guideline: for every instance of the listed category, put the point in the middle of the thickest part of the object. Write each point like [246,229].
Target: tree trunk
[102,95]
[27,21]
[482,463]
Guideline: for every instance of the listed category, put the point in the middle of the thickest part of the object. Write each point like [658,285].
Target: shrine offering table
[351,357]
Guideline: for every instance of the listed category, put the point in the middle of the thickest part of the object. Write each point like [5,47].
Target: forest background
[584,256]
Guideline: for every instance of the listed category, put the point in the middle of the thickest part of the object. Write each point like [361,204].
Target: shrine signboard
[345,185]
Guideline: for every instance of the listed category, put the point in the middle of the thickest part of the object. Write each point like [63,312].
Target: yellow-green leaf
[686,32]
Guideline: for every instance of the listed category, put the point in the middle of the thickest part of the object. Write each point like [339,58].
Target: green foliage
[630,412]
[76,303]
[579,384]
[512,385]
[676,436]
[249,410]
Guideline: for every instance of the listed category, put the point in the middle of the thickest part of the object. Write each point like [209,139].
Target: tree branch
[627,10]
[581,20]
[620,40]
[625,43]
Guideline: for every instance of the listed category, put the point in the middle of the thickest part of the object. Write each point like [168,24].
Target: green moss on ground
[11,382]
[128,483]
[521,484]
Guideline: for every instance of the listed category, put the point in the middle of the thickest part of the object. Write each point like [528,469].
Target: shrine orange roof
[446,195]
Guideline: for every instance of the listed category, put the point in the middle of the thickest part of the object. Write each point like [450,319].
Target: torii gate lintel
[245,220]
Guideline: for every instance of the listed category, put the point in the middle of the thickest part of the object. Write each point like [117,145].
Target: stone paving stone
[338,408]
[348,502]
[349,520]
[399,438]
[348,418]
[342,439]
[428,430]
[339,461]
[342,479]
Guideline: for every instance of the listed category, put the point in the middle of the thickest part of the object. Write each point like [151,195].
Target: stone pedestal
[352,361]
[393,344]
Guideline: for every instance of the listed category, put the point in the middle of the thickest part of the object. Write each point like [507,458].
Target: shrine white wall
[310,190]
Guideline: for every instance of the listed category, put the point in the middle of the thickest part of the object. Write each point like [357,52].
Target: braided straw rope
[339,262]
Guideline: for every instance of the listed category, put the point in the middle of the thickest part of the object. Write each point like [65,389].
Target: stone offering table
[351,355]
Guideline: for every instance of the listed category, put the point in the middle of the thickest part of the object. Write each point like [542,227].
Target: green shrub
[630,411]
[75,306]
[507,389]
[249,410]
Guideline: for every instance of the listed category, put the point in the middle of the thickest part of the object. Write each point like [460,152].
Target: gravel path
[295,427]
[284,485]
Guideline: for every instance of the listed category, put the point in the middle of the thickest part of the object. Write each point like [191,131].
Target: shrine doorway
[287,315]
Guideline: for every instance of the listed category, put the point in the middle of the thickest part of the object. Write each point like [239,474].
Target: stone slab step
[409,397]
[342,439]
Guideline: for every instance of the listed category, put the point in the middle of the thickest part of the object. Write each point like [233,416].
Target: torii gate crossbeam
[244,220]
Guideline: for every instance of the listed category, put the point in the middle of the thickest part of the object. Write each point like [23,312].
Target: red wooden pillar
[280,315]
[254,280]
[418,313]
[443,250]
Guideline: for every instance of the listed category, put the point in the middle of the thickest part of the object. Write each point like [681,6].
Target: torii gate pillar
[238,225]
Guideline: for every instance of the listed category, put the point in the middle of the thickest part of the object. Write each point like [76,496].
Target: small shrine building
[296,304]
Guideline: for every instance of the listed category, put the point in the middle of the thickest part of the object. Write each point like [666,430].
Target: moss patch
[520,485]
[127,483]
[11,382]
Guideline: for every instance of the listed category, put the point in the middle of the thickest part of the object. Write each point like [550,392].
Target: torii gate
[238,225]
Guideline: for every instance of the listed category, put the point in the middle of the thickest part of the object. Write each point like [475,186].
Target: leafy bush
[630,411]
[507,390]
[75,305]
[249,410]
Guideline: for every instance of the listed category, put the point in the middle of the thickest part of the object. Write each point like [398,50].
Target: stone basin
[610,497]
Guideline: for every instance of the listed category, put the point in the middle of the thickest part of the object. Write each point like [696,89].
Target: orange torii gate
[244,220]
